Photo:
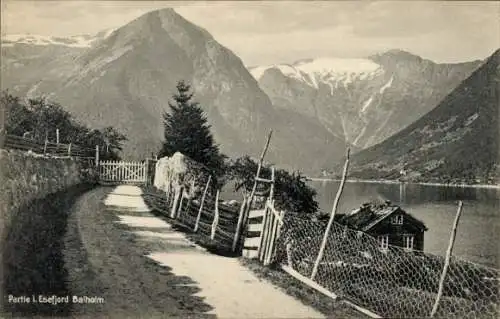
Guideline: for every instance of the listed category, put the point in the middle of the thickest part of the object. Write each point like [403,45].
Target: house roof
[369,215]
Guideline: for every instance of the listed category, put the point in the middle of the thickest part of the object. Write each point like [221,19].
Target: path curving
[228,288]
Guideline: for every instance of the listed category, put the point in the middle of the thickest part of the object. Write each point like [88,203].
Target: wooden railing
[46,148]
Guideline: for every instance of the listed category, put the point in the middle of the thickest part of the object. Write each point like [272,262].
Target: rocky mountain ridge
[363,101]
[127,79]
[456,142]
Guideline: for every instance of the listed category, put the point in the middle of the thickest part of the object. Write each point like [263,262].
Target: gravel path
[228,289]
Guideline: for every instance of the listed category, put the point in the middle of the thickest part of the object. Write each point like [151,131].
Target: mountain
[75,41]
[125,79]
[457,142]
[362,101]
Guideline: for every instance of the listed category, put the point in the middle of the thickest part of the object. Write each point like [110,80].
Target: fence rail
[220,230]
[46,148]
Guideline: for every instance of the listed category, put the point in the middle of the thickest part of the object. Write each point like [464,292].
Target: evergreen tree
[186,131]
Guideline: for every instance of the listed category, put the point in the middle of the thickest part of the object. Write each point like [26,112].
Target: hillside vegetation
[38,119]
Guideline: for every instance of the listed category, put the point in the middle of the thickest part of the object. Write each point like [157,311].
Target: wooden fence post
[45,146]
[97,155]
[271,192]
[257,175]
[216,217]
[3,127]
[447,259]
[69,149]
[264,234]
[57,136]
[289,257]
[238,226]
[176,201]
[273,234]
[332,216]
[197,224]
[179,209]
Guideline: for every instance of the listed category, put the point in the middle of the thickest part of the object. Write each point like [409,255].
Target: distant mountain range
[316,107]
[126,78]
[456,142]
[362,101]
[75,41]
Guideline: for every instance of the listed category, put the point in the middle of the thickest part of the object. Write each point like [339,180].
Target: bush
[39,118]
[291,192]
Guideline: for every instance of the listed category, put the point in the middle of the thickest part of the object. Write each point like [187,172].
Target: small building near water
[388,223]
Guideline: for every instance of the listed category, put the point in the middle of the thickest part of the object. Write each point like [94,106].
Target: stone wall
[35,194]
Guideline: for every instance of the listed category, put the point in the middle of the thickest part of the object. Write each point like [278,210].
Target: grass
[307,295]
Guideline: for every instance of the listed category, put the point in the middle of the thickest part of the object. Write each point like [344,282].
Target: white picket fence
[122,172]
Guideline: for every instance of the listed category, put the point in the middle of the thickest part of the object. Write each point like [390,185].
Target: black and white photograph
[249,159]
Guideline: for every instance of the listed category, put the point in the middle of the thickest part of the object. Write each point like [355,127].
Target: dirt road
[142,267]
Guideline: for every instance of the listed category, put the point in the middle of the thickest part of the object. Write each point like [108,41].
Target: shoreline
[485,186]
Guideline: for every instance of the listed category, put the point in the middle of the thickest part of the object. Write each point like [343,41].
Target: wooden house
[388,223]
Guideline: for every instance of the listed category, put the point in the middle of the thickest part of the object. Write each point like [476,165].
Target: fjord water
[478,235]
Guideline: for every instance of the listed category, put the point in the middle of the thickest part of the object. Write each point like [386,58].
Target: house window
[397,219]
[408,242]
[383,242]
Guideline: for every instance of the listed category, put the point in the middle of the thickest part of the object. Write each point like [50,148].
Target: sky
[263,33]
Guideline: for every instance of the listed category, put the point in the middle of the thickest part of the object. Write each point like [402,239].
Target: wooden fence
[198,216]
[122,172]
[46,148]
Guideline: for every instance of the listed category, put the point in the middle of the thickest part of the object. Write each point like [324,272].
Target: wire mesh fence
[392,282]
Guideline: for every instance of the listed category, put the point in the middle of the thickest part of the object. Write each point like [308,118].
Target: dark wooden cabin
[388,223]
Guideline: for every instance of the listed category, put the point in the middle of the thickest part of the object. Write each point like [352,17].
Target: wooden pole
[69,149]
[447,259]
[97,155]
[270,238]
[3,127]
[332,216]
[57,136]
[197,224]
[271,193]
[264,234]
[259,167]
[45,146]
[45,142]
[289,258]
[179,209]
[238,226]
[174,205]
[216,216]
[274,234]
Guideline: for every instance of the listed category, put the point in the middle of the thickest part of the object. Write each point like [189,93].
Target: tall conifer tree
[186,130]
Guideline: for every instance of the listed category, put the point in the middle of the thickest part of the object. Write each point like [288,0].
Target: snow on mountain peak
[331,71]
[337,65]
[76,41]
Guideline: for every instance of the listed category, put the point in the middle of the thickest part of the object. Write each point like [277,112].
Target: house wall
[396,232]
